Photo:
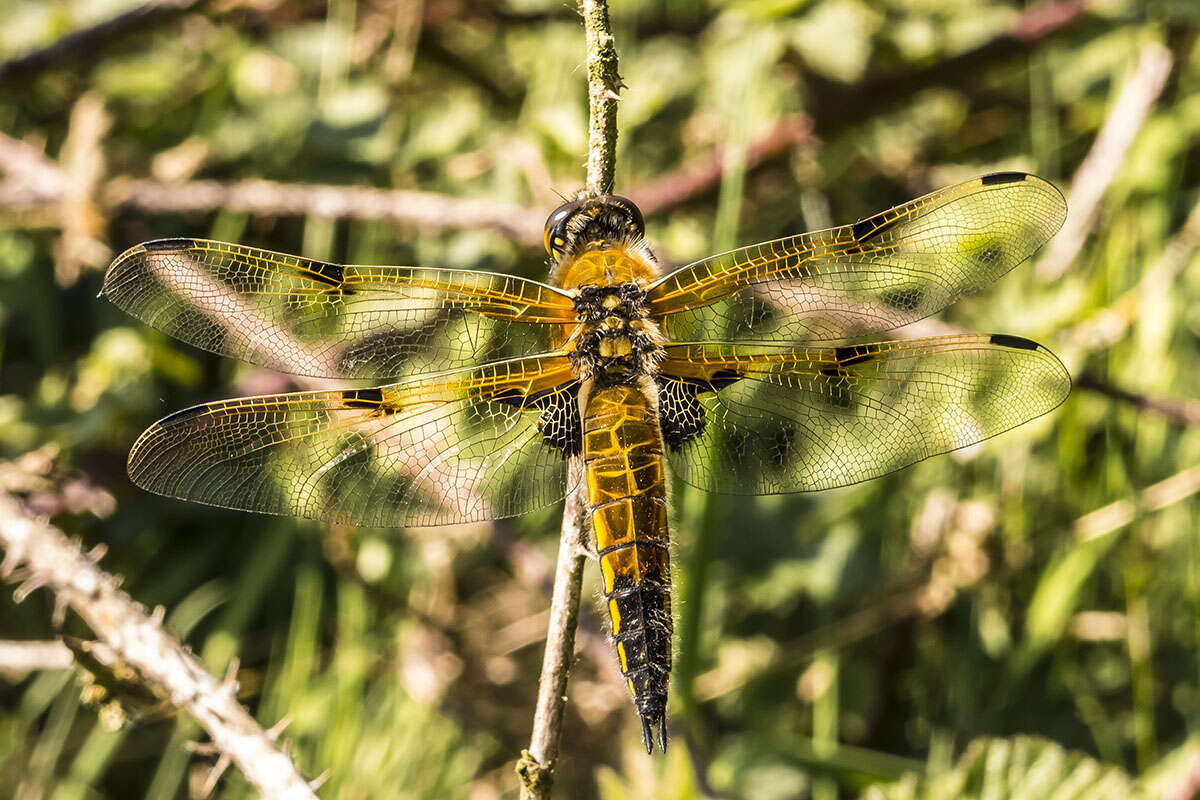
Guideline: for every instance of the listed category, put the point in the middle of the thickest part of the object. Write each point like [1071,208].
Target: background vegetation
[1045,583]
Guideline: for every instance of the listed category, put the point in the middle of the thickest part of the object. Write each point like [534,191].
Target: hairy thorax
[615,340]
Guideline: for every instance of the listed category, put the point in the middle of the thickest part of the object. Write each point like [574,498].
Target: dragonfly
[754,371]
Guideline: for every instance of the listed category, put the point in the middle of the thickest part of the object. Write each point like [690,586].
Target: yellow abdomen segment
[622,449]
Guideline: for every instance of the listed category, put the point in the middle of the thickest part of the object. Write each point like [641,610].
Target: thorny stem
[536,766]
[41,555]
[603,85]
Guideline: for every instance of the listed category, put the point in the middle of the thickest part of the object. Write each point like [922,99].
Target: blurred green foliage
[828,642]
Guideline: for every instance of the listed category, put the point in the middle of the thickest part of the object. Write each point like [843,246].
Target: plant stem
[536,766]
[603,84]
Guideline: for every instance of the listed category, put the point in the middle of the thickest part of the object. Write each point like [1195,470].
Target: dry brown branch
[46,557]
[425,210]
[533,569]
[1109,325]
[83,222]
[705,173]
[1185,412]
[35,189]
[536,765]
[1094,175]
[32,178]
[83,44]
[1155,497]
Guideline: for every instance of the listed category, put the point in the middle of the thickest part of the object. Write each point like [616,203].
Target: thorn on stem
[319,781]
[279,727]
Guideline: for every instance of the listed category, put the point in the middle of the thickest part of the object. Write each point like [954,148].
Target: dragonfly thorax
[617,339]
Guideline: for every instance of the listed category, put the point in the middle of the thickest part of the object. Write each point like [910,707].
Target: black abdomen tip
[653,711]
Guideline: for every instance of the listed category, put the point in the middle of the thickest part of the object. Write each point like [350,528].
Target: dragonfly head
[592,221]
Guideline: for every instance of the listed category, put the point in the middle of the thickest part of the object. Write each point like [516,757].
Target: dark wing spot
[329,274]
[871,227]
[680,415]
[990,254]
[909,298]
[854,354]
[169,244]
[723,378]
[363,398]
[1018,342]
[182,416]
[510,396]
[997,178]
[782,445]
[559,422]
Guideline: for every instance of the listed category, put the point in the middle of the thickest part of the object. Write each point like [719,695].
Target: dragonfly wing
[767,420]
[891,269]
[314,318]
[462,446]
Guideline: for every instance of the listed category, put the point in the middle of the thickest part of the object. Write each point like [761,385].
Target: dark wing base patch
[559,423]
[680,414]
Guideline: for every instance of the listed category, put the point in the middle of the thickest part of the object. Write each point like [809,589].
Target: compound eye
[555,236]
[635,213]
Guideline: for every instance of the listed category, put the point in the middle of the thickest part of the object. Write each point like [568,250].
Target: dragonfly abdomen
[622,449]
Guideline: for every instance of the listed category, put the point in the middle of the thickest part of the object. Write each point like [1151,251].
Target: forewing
[314,318]
[880,273]
[458,447]
[790,419]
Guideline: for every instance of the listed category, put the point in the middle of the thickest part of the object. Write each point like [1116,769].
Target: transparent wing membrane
[314,318]
[457,447]
[787,419]
[877,274]
[754,395]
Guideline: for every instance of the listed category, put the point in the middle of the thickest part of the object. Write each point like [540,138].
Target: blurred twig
[83,162]
[35,187]
[704,174]
[1189,788]
[1108,325]
[1094,175]
[41,555]
[83,44]
[34,181]
[270,198]
[20,658]
[1186,412]
[1155,497]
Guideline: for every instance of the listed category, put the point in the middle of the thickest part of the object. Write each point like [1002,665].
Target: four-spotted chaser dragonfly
[746,372]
